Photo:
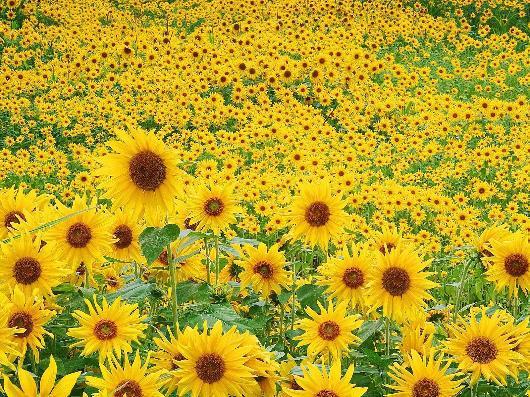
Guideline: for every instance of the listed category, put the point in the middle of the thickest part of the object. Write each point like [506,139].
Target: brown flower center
[21,320]
[79,235]
[128,388]
[27,270]
[214,206]
[426,388]
[317,214]
[147,170]
[189,225]
[329,330]
[105,330]
[176,358]
[481,350]
[124,235]
[210,368]
[264,269]
[516,265]
[293,385]
[13,217]
[386,248]
[327,393]
[112,281]
[396,281]
[81,269]
[163,258]
[353,277]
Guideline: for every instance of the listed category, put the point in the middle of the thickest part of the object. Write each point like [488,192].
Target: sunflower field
[264,198]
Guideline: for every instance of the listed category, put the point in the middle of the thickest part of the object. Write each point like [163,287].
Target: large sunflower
[425,376]
[108,329]
[47,386]
[31,266]
[346,277]
[510,264]
[263,269]
[323,383]
[125,230]
[141,175]
[214,365]
[330,332]
[398,283]
[131,379]
[316,215]
[484,347]
[212,208]
[84,236]
[15,206]
[8,346]
[28,314]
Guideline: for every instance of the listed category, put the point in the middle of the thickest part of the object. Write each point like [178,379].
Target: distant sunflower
[510,264]
[316,215]
[263,269]
[482,242]
[386,240]
[81,238]
[31,266]
[130,380]
[214,365]
[346,278]
[141,175]
[125,230]
[330,332]
[484,347]
[28,314]
[425,376]
[324,383]
[398,283]
[108,329]
[15,205]
[212,208]
[47,386]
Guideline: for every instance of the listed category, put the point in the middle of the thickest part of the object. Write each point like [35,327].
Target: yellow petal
[65,385]
[48,378]
[27,383]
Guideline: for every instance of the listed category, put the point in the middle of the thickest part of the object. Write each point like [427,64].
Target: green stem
[460,289]
[173,282]
[207,249]
[293,309]
[387,336]
[216,260]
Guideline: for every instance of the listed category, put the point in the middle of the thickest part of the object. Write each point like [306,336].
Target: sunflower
[398,283]
[8,346]
[214,365]
[323,383]
[316,215]
[424,376]
[130,380]
[417,335]
[496,232]
[83,236]
[31,266]
[212,208]
[169,354]
[346,277]
[141,175]
[108,329]
[113,280]
[187,263]
[484,347]
[263,269]
[386,240]
[16,205]
[331,331]
[510,264]
[27,314]
[126,230]
[47,387]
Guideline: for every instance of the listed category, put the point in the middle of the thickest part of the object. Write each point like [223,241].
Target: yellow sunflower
[316,215]
[346,277]
[323,383]
[484,347]
[424,376]
[386,240]
[32,266]
[8,346]
[141,175]
[496,232]
[131,379]
[27,313]
[108,329]
[214,365]
[47,386]
[83,236]
[330,332]
[213,208]
[15,205]
[125,230]
[263,269]
[398,284]
[510,264]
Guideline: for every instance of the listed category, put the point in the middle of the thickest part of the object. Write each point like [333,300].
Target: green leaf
[188,290]
[154,240]
[369,329]
[134,292]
